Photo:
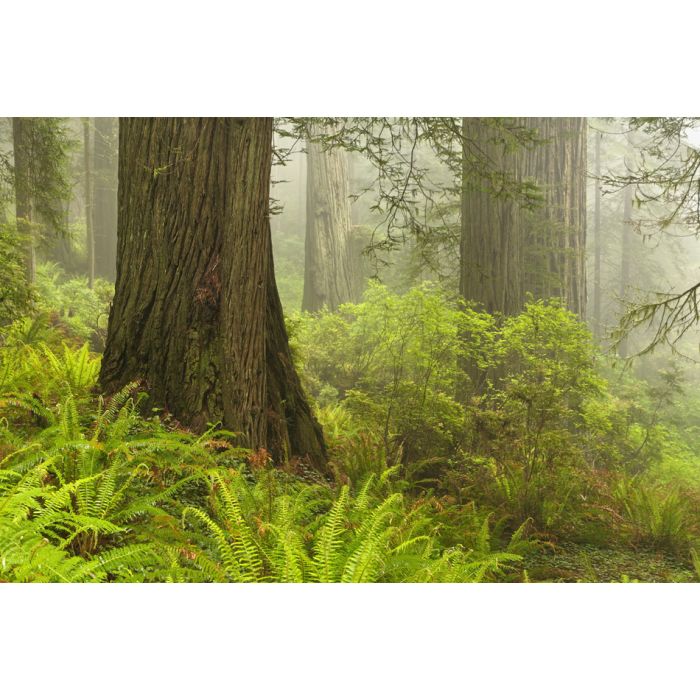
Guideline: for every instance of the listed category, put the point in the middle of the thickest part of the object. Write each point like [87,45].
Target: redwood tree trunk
[195,313]
[491,236]
[21,137]
[506,252]
[555,251]
[104,219]
[330,269]
[598,253]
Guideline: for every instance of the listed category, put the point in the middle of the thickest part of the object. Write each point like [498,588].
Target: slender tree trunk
[196,313]
[330,270]
[352,185]
[506,252]
[21,136]
[625,255]
[104,219]
[301,192]
[89,237]
[598,253]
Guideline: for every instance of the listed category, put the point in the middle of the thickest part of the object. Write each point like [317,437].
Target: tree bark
[506,252]
[89,237]
[556,235]
[104,219]
[491,230]
[625,256]
[598,252]
[196,313]
[330,269]
[21,136]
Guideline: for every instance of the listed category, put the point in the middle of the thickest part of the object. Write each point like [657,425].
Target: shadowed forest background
[349,349]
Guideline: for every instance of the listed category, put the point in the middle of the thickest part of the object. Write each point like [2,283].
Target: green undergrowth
[463,447]
[587,563]
[90,490]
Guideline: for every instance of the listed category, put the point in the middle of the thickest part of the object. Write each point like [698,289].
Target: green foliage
[656,515]
[394,362]
[46,146]
[92,491]
[64,309]
[40,376]
[513,414]
[696,563]
[461,396]
[79,312]
[464,447]
[75,503]
[305,533]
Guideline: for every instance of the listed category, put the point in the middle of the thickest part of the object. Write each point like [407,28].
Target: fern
[329,541]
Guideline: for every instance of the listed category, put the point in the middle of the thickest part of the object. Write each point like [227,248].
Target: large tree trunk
[556,234]
[330,269]
[21,136]
[104,219]
[491,236]
[507,252]
[195,313]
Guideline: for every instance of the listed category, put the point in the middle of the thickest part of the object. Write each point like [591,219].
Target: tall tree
[330,269]
[491,231]
[598,243]
[507,251]
[89,235]
[196,312]
[104,219]
[22,139]
[556,239]
[625,256]
[41,181]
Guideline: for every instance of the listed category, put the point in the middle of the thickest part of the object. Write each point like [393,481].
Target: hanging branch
[411,204]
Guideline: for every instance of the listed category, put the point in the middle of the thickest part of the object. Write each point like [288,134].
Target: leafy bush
[395,363]
[498,406]
[63,309]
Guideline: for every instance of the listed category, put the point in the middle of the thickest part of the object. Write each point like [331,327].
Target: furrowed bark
[196,313]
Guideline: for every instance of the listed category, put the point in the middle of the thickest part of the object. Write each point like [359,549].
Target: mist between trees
[349,349]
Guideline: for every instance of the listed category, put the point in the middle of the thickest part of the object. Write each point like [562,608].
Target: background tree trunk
[556,234]
[491,235]
[196,313]
[330,269]
[89,238]
[598,251]
[507,252]
[104,219]
[625,257]
[21,137]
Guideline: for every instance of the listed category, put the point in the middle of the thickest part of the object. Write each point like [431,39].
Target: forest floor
[576,563]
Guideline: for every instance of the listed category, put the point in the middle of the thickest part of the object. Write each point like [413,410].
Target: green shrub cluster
[517,415]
